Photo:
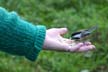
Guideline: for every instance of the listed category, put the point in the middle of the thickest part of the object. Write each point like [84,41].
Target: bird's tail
[93,28]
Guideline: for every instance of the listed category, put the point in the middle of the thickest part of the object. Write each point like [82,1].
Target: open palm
[55,41]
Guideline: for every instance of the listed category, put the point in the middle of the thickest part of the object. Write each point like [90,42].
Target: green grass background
[73,14]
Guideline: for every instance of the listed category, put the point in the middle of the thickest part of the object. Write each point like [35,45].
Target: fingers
[81,47]
[87,43]
[86,48]
[62,31]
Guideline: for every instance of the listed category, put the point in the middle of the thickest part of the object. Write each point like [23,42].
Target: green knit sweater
[20,37]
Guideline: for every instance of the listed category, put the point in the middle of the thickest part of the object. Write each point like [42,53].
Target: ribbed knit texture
[20,37]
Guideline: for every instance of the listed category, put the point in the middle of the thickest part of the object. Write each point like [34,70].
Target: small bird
[80,35]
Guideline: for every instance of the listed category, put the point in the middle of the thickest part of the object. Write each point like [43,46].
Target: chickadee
[83,34]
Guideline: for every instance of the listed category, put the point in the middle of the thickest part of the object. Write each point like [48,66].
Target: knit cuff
[39,41]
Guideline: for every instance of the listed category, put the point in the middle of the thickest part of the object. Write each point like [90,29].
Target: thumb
[62,31]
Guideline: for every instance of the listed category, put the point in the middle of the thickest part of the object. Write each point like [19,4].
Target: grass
[73,14]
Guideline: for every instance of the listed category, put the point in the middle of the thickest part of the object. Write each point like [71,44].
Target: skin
[55,41]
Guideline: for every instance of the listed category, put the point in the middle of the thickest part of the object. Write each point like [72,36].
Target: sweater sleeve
[20,37]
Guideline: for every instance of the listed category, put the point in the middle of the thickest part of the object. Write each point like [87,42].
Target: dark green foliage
[73,14]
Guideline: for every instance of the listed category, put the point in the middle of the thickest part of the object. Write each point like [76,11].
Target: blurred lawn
[73,14]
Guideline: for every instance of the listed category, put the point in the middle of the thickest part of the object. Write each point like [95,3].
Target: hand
[55,41]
